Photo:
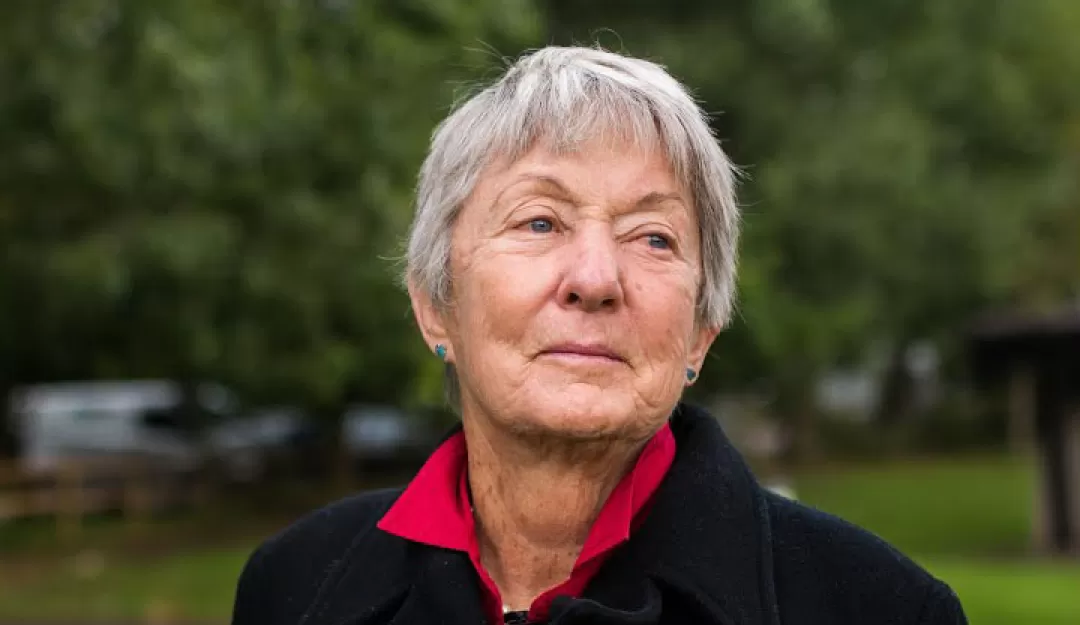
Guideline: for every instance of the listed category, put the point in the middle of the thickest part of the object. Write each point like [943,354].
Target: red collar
[434,510]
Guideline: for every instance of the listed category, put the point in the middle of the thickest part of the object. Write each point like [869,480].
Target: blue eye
[658,241]
[541,226]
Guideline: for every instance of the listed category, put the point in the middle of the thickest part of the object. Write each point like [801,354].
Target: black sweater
[716,548]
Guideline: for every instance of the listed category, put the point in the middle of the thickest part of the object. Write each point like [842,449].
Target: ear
[699,346]
[431,320]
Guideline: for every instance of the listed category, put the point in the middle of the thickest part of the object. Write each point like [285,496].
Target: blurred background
[201,337]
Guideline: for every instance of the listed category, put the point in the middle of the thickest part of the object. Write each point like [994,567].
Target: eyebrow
[649,199]
[658,197]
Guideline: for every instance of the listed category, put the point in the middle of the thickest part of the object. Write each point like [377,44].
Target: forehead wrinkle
[546,182]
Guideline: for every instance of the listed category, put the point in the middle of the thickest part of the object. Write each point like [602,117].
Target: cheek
[501,295]
[665,308]
[667,348]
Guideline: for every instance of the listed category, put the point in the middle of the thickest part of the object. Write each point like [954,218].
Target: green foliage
[908,163]
[198,189]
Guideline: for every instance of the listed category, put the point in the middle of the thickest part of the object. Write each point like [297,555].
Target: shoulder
[336,523]
[283,576]
[825,565]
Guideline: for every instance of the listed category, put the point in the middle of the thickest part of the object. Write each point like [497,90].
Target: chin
[582,414]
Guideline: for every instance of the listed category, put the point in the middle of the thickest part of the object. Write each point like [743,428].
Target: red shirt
[435,510]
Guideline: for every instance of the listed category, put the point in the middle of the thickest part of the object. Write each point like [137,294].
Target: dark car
[387,438]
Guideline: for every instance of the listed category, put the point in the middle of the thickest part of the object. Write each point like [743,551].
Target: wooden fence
[78,488]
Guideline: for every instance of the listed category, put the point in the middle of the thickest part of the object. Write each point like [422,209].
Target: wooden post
[10,500]
[136,497]
[1022,441]
[1042,526]
[199,486]
[1072,474]
[69,498]
[1054,415]
[1021,411]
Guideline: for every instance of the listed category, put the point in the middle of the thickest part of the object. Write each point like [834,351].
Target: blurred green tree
[900,158]
[197,189]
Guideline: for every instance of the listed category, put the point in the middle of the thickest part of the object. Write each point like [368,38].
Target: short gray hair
[565,96]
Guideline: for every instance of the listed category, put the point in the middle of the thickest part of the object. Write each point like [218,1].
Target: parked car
[387,438]
[250,447]
[150,420]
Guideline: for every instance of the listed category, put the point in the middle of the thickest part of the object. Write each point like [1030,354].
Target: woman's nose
[593,278]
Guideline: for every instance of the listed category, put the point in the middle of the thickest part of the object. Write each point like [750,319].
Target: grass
[199,586]
[190,586]
[967,521]
[973,507]
[1012,593]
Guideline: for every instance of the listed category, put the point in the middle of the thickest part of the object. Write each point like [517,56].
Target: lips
[584,350]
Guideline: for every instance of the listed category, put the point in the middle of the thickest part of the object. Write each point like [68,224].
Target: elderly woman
[571,261]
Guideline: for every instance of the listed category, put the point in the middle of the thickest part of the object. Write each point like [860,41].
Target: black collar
[706,538]
[707,534]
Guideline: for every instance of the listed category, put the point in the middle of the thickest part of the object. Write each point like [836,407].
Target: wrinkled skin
[599,248]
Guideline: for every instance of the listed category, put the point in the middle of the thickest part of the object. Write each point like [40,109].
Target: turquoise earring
[690,374]
[440,351]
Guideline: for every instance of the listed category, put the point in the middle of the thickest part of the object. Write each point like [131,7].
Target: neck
[535,501]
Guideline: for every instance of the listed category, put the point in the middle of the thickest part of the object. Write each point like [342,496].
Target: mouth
[593,352]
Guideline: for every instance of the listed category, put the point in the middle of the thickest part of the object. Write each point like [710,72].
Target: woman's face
[575,279]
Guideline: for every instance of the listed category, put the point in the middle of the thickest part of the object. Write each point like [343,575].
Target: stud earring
[690,374]
[440,351]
